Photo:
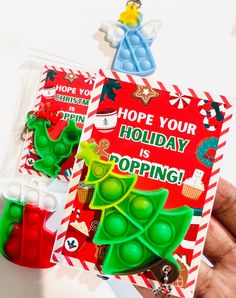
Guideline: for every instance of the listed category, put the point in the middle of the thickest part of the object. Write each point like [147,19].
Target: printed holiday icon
[49,92]
[193,187]
[106,120]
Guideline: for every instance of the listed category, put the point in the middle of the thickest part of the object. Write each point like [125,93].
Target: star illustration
[71,77]
[145,94]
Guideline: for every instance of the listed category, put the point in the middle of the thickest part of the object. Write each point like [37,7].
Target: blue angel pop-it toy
[132,41]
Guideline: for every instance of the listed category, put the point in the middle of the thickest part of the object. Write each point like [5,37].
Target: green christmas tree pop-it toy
[138,233]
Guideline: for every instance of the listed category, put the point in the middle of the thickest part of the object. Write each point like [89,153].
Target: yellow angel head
[131,17]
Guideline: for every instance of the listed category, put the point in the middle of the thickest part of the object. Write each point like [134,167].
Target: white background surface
[196,47]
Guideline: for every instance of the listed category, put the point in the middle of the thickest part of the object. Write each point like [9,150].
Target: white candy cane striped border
[78,166]
[177,90]
[30,135]
[207,209]
[140,279]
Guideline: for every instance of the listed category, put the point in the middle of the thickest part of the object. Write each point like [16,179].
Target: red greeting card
[160,148]
[65,93]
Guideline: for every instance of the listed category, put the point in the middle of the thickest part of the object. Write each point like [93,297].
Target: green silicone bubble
[114,227]
[42,141]
[115,224]
[15,212]
[141,207]
[131,252]
[48,161]
[111,189]
[161,232]
[99,171]
[60,149]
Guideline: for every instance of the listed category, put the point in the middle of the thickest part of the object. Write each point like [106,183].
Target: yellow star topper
[131,16]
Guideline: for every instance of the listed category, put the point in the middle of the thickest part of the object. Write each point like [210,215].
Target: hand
[220,249]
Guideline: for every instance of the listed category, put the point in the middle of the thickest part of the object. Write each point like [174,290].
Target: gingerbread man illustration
[101,147]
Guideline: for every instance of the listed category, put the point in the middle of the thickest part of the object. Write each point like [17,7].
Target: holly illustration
[71,244]
[108,89]
[139,233]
